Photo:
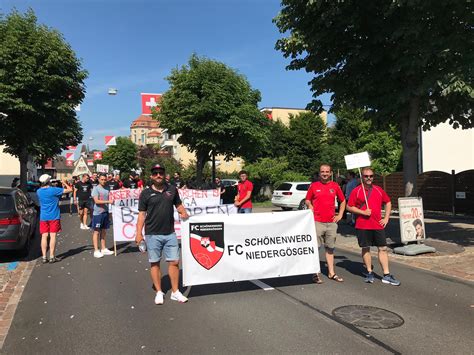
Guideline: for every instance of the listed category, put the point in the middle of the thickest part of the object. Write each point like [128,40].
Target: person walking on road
[320,198]
[243,199]
[156,213]
[50,215]
[100,217]
[370,225]
[82,196]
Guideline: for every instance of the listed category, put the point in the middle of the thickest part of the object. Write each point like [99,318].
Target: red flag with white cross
[149,101]
[97,155]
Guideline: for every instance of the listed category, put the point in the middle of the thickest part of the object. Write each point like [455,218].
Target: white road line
[262,285]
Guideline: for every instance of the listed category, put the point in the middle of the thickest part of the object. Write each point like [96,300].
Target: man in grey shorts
[155,212]
[321,199]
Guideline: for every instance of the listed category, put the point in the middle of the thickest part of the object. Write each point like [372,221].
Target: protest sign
[223,248]
[358,160]
[412,224]
[102,168]
[201,198]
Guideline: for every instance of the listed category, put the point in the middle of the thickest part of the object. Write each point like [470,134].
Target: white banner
[358,160]
[201,198]
[221,248]
[125,212]
[412,224]
[102,168]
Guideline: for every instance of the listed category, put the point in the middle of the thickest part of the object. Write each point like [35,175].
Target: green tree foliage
[277,143]
[213,109]
[41,81]
[307,135]
[122,156]
[405,61]
[273,171]
[353,133]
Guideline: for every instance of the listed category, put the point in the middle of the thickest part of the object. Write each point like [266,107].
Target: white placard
[358,160]
[461,195]
[412,224]
[224,248]
[201,198]
[102,168]
[125,211]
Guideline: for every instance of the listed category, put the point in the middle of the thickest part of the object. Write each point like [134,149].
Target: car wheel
[286,208]
[302,205]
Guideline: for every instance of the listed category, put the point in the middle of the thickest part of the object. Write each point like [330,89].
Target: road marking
[262,285]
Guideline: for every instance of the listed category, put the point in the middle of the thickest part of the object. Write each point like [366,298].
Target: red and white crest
[90,162]
[69,162]
[110,140]
[148,102]
[71,147]
[69,156]
[97,155]
[207,243]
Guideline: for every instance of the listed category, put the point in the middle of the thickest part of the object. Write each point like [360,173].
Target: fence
[440,191]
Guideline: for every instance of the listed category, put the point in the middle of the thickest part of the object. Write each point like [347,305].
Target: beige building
[10,168]
[444,148]
[283,114]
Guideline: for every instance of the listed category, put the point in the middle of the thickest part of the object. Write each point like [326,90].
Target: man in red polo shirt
[370,225]
[243,200]
[320,198]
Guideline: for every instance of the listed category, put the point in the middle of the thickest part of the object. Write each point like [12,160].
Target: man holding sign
[155,207]
[366,202]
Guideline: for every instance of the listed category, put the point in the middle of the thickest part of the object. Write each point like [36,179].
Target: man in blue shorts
[156,213]
[100,217]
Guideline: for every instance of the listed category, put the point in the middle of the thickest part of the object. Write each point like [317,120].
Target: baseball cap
[44,179]
[157,167]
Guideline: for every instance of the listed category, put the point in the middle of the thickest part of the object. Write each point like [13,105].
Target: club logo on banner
[207,243]
[225,248]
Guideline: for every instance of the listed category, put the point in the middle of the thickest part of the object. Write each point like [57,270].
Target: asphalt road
[84,305]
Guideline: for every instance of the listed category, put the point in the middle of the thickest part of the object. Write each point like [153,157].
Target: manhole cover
[368,317]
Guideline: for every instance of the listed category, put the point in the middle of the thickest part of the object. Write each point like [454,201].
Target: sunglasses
[155,173]
[368,176]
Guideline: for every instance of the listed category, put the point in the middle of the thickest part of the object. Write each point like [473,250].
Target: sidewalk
[453,239]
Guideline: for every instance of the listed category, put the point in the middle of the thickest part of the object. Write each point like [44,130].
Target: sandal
[337,278]
[317,279]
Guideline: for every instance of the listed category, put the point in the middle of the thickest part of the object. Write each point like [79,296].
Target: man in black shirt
[156,213]
[131,182]
[82,196]
[111,184]
[177,180]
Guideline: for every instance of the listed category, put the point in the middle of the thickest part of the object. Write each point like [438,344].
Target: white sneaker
[82,226]
[159,299]
[178,296]
[107,252]
[98,254]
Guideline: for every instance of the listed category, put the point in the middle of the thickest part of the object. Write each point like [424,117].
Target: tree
[41,81]
[277,143]
[122,156]
[404,61]
[307,131]
[214,110]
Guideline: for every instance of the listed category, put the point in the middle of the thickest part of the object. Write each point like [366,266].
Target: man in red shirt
[320,198]
[370,225]
[243,199]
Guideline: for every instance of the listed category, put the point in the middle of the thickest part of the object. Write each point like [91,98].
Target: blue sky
[132,45]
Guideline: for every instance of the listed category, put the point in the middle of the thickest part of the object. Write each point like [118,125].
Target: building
[283,114]
[444,148]
[141,128]
[10,168]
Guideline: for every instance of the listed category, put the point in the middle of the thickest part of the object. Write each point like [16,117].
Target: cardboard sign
[358,160]
[102,168]
[412,224]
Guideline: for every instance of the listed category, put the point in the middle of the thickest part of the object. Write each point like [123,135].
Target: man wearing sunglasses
[370,225]
[155,212]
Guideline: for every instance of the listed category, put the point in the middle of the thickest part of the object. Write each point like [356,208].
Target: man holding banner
[366,202]
[320,198]
[155,207]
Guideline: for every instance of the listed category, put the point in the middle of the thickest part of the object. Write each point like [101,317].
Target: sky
[132,45]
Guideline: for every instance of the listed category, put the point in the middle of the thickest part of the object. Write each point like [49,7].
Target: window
[302,187]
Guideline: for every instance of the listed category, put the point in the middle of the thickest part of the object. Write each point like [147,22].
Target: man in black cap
[156,213]
[131,182]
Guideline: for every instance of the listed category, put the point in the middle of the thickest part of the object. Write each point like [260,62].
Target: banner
[149,101]
[70,156]
[358,160]
[412,224]
[220,248]
[110,140]
[102,168]
[201,198]
[125,211]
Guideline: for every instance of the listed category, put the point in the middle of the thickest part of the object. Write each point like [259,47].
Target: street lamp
[112,91]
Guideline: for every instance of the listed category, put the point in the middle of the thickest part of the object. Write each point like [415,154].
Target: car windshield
[302,187]
[6,203]
[284,187]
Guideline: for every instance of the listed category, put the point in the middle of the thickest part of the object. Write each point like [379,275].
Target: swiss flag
[71,147]
[110,140]
[69,162]
[97,155]
[149,101]
[69,156]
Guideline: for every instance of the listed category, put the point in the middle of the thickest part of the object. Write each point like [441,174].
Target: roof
[60,164]
[145,122]
[153,134]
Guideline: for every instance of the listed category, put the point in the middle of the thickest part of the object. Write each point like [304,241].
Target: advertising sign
[412,224]
[225,248]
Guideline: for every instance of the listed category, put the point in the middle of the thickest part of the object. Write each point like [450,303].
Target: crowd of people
[160,196]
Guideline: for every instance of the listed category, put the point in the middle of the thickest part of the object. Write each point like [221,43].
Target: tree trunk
[201,158]
[409,134]
[23,169]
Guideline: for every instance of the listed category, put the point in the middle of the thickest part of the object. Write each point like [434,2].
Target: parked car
[290,195]
[18,217]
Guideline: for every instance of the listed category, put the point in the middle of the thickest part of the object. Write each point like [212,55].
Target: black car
[18,217]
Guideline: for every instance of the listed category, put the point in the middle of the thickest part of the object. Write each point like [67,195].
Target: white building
[10,168]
